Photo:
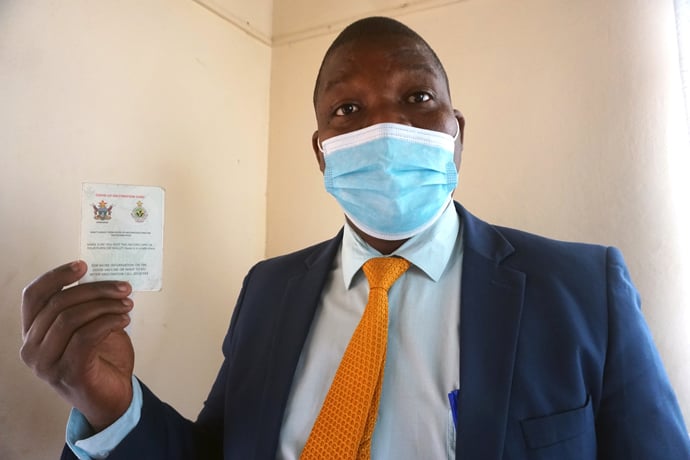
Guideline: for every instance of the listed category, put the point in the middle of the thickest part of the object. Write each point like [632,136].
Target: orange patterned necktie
[346,422]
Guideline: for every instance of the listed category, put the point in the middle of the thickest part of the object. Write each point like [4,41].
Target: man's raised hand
[74,339]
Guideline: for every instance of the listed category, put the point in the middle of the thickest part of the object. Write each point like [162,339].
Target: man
[500,344]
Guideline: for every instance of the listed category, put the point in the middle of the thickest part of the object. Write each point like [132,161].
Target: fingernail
[75,266]
[127,302]
[123,287]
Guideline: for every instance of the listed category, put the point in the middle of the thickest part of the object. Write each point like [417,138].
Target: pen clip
[453,400]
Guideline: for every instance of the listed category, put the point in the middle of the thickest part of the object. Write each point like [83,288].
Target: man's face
[389,80]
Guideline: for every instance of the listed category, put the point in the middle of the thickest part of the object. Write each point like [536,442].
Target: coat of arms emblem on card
[139,214]
[102,211]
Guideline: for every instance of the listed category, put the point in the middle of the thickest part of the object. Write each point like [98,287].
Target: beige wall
[574,130]
[158,92]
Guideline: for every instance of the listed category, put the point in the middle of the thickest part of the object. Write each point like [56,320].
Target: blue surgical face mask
[393,181]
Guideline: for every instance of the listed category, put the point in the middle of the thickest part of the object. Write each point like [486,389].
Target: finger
[42,355]
[65,312]
[71,320]
[79,357]
[69,298]
[46,301]
[37,293]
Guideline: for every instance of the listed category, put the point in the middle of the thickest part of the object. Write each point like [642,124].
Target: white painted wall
[159,92]
[574,130]
[255,17]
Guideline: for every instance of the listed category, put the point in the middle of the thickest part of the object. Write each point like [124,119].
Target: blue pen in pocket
[453,399]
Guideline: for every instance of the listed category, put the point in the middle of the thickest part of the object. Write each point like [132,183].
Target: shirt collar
[429,251]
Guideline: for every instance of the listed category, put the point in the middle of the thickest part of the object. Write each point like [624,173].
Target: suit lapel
[297,309]
[491,307]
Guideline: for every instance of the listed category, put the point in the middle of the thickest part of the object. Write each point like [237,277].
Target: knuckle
[81,339]
[28,296]
[42,369]
[25,354]
[28,356]
[78,339]
[64,320]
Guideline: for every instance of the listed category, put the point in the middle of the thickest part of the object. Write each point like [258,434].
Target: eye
[419,96]
[346,109]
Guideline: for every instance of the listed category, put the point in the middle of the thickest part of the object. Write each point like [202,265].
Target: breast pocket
[569,434]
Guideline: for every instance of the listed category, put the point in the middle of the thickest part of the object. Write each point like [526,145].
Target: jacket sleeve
[163,433]
[639,416]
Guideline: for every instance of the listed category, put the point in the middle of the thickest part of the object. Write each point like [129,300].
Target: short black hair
[373,27]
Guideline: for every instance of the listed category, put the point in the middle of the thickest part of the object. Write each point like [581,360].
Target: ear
[461,123]
[317,152]
[457,158]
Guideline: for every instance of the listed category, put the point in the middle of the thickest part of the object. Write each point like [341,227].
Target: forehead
[380,58]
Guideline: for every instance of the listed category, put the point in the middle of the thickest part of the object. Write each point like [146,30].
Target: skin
[74,338]
[353,95]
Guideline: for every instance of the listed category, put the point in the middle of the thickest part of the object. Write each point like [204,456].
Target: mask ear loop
[457,134]
[318,143]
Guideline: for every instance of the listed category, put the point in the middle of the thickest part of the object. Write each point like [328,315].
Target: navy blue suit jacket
[556,361]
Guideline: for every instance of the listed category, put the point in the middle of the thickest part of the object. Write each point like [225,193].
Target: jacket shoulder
[300,259]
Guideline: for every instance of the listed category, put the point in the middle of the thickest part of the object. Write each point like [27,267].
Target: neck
[385,247]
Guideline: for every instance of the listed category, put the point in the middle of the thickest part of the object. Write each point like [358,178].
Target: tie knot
[382,272]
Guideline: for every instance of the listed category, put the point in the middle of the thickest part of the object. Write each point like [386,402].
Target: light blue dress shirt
[423,353]
[422,364]
[88,446]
